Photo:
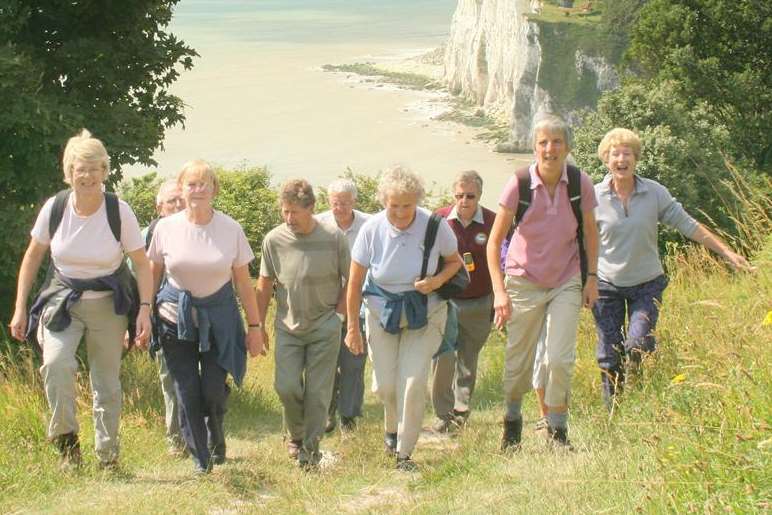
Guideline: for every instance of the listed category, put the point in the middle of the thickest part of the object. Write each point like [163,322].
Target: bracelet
[258,325]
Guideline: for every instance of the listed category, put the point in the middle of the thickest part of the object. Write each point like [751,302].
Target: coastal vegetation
[402,79]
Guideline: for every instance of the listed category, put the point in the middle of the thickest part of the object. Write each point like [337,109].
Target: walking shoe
[69,451]
[217,454]
[348,424]
[293,448]
[461,417]
[331,423]
[541,424]
[390,442]
[445,424]
[309,460]
[558,437]
[513,432]
[406,464]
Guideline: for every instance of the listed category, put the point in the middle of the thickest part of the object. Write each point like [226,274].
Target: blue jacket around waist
[413,302]
[63,292]
[219,322]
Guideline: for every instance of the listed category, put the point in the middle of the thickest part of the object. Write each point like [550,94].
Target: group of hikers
[417,292]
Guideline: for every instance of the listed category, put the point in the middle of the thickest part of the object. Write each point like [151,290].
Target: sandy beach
[269,103]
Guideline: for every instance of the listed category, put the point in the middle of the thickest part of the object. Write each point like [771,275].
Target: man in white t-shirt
[349,389]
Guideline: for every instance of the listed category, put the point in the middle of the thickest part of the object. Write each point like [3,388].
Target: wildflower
[680,378]
[767,319]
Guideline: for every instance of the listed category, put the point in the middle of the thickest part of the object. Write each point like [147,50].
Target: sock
[557,420]
[513,411]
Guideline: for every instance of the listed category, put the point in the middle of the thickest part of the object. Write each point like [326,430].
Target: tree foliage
[103,65]
[718,55]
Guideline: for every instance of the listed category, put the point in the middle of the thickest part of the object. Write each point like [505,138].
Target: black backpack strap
[57,211]
[149,235]
[113,214]
[431,236]
[575,197]
[524,193]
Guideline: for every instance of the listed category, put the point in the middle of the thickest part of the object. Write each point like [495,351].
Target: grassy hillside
[694,436]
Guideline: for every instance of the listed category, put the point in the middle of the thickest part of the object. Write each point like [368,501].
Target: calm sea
[314,21]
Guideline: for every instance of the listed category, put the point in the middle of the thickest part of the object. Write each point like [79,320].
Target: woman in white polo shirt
[90,293]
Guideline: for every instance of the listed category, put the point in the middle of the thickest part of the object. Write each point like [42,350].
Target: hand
[144,329]
[18,324]
[353,341]
[738,262]
[590,292]
[426,285]
[257,341]
[502,309]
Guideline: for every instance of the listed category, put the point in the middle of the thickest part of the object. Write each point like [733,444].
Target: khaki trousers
[400,373]
[556,312]
[104,331]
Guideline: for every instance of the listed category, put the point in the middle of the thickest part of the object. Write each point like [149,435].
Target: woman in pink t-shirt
[203,253]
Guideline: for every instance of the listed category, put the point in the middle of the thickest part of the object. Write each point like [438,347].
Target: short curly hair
[619,136]
[298,192]
[84,147]
[400,180]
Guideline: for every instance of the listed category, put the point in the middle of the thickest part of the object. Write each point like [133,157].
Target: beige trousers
[555,311]
[400,373]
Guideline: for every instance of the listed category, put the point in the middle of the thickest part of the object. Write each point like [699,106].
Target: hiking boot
[513,432]
[390,443]
[445,424]
[348,424]
[461,417]
[293,448]
[541,424]
[69,451]
[309,460]
[406,464]
[558,437]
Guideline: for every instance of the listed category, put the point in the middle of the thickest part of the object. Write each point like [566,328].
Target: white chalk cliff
[494,58]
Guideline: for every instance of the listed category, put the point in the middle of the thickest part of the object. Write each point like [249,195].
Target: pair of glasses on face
[468,196]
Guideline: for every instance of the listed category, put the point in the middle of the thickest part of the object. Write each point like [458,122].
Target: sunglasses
[469,196]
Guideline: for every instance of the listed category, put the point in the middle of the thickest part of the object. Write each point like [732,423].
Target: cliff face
[501,56]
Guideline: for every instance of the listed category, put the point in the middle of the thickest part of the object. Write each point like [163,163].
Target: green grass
[695,435]
[403,79]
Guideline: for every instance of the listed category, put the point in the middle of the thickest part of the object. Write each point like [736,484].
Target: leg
[474,326]
[214,392]
[171,409]
[322,352]
[352,380]
[290,354]
[609,314]
[540,374]
[416,349]
[183,358]
[104,342]
[644,301]
[443,372]
[384,350]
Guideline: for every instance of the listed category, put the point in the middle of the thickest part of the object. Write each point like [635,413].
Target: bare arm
[591,242]
[501,303]
[144,276]
[356,277]
[264,292]
[246,293]
[711,241]
[30,264]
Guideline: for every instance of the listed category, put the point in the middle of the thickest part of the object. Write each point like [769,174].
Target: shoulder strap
[57,211]
[575,197]
[113,214]
[431,235]
[150,229]
[524,194]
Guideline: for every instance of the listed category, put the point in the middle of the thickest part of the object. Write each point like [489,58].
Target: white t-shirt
[84,246]
[199,258]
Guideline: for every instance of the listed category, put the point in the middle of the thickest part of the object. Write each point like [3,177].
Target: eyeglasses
[469,196]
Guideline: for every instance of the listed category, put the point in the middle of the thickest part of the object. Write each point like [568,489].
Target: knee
[59,368]
[289,390]
[385,390]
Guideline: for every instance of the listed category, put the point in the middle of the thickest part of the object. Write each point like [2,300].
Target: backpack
[150,230]
[575,198]
[456,284]
[111,206]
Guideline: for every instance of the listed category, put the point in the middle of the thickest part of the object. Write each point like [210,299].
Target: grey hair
[166,186]
[400,180]
[343,186]
[550,122]
[298,192]
[468,176]
[83,146]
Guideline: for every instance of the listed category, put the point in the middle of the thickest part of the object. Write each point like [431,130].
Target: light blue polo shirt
[394,257]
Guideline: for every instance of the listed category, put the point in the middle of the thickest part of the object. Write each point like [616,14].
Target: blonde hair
[83,147]
[400,180]
[616,137]
[298,192]
[202,169]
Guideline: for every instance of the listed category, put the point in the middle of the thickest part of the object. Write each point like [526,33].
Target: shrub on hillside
[140,193]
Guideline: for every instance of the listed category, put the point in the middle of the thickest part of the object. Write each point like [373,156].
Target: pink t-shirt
[84,246]
[199,258]
[544,248]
